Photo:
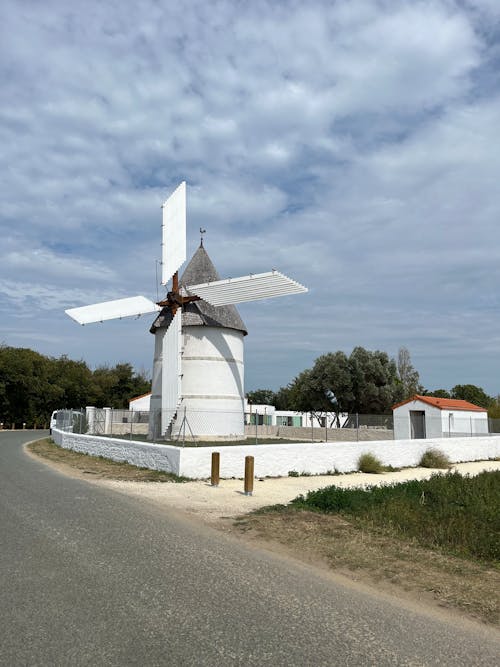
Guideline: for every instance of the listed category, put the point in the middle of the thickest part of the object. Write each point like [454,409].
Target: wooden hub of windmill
[174,298]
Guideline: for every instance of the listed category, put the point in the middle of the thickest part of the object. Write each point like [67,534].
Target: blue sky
[353,145]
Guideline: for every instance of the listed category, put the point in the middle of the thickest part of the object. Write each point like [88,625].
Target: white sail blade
[173,233]
[246,288]
[171,371]
[112,310]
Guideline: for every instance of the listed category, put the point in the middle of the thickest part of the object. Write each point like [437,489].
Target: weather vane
[202,231]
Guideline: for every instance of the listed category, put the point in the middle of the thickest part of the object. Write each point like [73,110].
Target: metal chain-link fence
[203,427]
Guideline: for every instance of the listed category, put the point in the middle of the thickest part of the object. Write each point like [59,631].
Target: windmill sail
[111,310]
[171,371]
[173,233]
[246,288]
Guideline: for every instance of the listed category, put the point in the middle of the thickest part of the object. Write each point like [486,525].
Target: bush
[434,458]
[370,463]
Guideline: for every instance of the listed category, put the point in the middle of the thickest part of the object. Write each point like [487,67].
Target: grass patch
[139,437]
[381,560]
[98,466]
[451,513]
[434,458]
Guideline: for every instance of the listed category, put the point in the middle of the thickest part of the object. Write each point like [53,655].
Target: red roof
[136,398]
[443,403]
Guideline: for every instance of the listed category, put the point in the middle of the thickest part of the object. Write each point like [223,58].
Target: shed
[140,403]
[431,417]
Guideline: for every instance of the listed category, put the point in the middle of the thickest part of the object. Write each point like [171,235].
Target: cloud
[351,145]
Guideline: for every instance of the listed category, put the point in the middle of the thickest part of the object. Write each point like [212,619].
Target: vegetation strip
[98,466]
[454,513]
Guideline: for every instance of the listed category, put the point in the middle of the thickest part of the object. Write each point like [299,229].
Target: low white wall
[279,459]
[144,455]
[317,458]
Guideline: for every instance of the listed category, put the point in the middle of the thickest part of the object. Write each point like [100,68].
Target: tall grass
[457,514]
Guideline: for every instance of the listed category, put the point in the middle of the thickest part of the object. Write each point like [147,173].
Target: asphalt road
[90,577]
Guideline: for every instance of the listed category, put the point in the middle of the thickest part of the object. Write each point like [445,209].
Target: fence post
[312,428]
[357,427]
[256,427]
[249,474]
[108,421]
[215,472]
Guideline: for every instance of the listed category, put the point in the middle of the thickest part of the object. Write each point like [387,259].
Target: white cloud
[352,145]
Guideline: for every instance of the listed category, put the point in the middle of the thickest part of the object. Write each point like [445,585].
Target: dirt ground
[328,542]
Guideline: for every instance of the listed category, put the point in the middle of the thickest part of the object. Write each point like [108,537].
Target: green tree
[115,386]
[27,393]
[374,381]
[473,394]
[301,393]
[282,399]
[73,379]
[438,393]
[261,397]
[408,377]
[365,382]
[331,378]
[494,409]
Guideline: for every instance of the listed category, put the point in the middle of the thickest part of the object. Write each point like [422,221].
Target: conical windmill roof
[200,313]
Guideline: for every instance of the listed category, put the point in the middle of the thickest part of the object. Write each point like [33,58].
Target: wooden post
[214,479]
[249,466]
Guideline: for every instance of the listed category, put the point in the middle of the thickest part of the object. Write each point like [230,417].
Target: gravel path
[201,499]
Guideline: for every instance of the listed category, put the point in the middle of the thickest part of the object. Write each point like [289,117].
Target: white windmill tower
[197,370]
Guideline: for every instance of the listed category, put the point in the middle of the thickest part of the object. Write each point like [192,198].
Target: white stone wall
[144,455]
[280,459]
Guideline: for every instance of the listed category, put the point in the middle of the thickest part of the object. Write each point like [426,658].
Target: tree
[115,386]
[301,392]
[494,409]
[27,394]
[365,382]
[261,397]
[407,375]
[473,394]
[282,399]
[74,380]
[33,385]
[331,378]
[438,393]
[374,381]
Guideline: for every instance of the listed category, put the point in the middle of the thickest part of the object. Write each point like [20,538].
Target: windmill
[168,367]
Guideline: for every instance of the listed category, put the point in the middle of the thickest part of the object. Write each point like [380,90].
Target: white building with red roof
[431,417]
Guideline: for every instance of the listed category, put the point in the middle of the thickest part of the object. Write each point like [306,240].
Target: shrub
[434,458]
[368,462]
[293,473]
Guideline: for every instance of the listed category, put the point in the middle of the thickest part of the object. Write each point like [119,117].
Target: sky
[353,145]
